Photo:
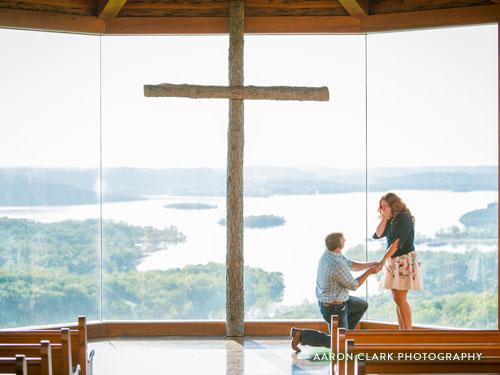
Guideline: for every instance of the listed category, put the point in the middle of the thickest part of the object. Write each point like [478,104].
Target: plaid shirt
[334,279]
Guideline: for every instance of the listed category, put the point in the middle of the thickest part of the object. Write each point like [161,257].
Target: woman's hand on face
[385,215]
[385,210]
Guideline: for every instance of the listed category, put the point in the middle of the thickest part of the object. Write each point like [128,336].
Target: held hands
[376,267]
[379,266]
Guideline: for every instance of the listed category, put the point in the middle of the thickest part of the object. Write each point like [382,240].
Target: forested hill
[37,186]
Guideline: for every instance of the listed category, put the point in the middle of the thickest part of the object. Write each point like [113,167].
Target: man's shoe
[296,335]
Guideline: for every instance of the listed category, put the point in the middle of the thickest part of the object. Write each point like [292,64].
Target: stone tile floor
[204,355]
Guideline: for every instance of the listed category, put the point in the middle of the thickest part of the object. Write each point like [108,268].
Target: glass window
[164,163]
[433,139]
[49,172]
[113,205]
[304,167]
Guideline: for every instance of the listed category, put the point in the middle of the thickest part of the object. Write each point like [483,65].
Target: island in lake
[191,206]
[260,221]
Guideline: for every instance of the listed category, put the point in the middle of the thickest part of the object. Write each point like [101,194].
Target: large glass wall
[84,153]
[49,170]
[304,166]
[433,139]
[164,163]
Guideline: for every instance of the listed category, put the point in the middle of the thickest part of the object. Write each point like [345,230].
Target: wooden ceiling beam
[23,19]
[308,24]
[167,25]
[285,24]
[432,18]
[109,9]
[356,8]
[219,25]
[220,8]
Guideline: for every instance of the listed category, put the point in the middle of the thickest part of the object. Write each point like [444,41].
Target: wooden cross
[236,93]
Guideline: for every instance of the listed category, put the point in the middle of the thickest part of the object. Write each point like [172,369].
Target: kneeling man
[333,282]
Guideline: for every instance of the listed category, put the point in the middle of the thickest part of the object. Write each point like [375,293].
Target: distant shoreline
[59,187]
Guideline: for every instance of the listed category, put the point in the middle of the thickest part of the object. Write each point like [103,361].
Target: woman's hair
[396,204]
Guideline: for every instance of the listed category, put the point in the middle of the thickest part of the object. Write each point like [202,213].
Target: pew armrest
[90,362]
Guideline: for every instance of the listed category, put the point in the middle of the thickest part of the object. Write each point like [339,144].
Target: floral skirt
[403,273]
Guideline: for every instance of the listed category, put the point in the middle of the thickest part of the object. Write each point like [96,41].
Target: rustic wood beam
[287,24]
[432,18]
[241,92]
[304,24]
[218,25]
[167,25]
[235,307]
[218,8]
[109,9]
[72,7]
[307,24]
[356,8]
[22,19]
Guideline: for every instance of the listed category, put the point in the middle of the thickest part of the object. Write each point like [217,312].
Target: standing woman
[401,265]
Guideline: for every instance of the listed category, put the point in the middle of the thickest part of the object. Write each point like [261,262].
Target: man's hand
[370,271]
[376,268]
[380,265]
[357,266]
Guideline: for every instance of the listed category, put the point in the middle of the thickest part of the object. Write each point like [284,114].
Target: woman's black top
[400,227]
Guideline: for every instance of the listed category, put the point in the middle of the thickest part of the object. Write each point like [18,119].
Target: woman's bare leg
[403,308]
[398,313]
[400,319]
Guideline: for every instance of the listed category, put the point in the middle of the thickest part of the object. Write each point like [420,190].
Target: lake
[294,248]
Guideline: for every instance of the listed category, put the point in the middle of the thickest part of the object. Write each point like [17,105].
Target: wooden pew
[334,342]
[61,358]
[422,342]
[361,367]
[60,339]
[378,336]
[425,337]
[20,365]
[489,363]
[340,365]
[41,365]
[75,339]
[427,367]
[29,366]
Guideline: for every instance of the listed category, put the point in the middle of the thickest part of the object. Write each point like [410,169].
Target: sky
[402,99]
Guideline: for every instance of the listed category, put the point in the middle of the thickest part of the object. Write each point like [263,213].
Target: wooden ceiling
[265,16]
